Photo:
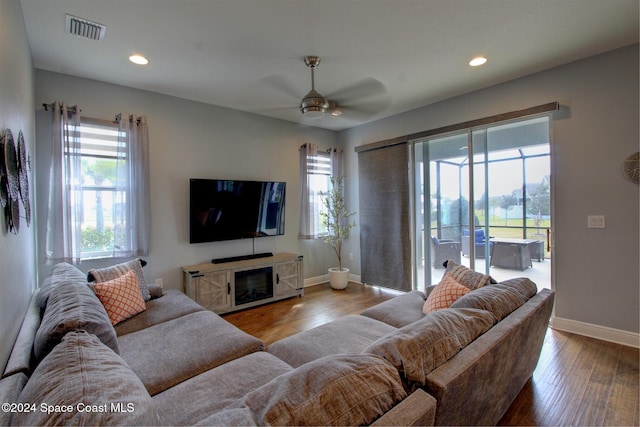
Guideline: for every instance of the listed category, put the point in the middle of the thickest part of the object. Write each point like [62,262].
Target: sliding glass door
[482,198]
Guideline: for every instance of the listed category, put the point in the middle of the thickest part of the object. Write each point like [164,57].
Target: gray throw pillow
[113,272]
[90,384]
[467,277]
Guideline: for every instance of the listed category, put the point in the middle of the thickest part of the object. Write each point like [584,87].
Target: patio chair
[442,250]
[480,240]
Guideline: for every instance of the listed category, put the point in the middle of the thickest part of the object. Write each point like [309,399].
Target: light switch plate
[595,221]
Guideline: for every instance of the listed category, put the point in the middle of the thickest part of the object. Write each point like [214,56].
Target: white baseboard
[604,333]
[312,281]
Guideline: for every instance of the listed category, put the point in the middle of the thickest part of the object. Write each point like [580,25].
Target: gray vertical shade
[384,217]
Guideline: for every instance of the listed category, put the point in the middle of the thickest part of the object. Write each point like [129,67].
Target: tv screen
[232,209]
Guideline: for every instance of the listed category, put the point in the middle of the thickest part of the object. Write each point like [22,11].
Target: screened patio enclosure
[505,231]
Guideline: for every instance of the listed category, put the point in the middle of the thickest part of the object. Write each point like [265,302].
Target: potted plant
[335,218]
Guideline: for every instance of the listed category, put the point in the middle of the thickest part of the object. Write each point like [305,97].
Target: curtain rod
[544,108]
[118,118]
[328,150]
[73,108]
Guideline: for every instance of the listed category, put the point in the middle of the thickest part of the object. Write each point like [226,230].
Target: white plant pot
[338,278]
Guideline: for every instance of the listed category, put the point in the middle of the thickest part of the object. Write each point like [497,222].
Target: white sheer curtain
[308,216]
[63,241]
[336,162]
[132,224]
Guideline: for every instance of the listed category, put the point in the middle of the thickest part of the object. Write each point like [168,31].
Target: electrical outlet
[595,221]
[160,282]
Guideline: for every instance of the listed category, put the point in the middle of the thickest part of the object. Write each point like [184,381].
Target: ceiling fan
[314,105]
[360,100]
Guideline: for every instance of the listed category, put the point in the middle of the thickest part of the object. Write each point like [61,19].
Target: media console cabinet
[230,286]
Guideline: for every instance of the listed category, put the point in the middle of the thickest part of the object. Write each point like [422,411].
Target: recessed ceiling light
[138,59]
[477,61]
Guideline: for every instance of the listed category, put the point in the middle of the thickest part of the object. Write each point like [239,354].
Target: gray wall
[17,262]
[596,271]
[194,140]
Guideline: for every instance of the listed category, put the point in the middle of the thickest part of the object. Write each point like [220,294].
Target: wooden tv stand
[224,287]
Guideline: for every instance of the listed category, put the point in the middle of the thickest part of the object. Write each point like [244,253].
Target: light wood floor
[579,381]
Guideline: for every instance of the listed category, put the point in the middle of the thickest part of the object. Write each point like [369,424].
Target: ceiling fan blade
[283,86]
[363,89]
[364,109]
[276,109]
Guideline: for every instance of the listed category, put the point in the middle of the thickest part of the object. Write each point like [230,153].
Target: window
[98,193]
[316,170]
[319,178]
[503,189]
[102,188]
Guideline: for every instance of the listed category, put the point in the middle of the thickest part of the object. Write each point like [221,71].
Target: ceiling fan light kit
[313,105]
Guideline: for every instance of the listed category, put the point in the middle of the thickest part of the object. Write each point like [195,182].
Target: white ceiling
[385,56]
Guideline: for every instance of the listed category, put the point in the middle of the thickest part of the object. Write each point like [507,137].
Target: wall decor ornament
[632,167]
[14,180]
[23,170]
[4,193]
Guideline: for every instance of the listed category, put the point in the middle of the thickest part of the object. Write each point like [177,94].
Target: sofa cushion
[171,305]
[72,306]
[418,348]
[467,277]
[229,417]
[349,334]
[444,294]
[120,297]
[62,272]
[109,273]
[334,390]
[399,311]
[523,285]
[10,389]
[499,299]
[81,372]
[168,353]
[194,399]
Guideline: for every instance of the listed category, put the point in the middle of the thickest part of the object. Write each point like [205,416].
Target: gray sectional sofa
[473,358]
[176,363]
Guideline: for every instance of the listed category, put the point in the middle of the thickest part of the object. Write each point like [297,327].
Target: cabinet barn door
[212,291]
[288,278]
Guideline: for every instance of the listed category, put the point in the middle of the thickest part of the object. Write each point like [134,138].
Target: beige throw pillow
[120,297]
[444,294]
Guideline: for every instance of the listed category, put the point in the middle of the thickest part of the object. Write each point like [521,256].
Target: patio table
[515,254]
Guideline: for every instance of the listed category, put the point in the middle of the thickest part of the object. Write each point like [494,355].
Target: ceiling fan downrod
[313,105]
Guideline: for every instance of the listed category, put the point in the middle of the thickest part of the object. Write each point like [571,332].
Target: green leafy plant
[336,217]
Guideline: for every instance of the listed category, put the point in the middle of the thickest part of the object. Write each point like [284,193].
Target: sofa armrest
[502,359]
[418,409]
[21,358]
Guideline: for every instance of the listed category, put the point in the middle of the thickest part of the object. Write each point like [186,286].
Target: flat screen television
[222,209]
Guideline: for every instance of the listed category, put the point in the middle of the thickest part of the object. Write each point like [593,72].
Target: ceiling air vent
[84,28]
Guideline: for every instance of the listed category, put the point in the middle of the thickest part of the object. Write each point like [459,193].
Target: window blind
[385,246]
